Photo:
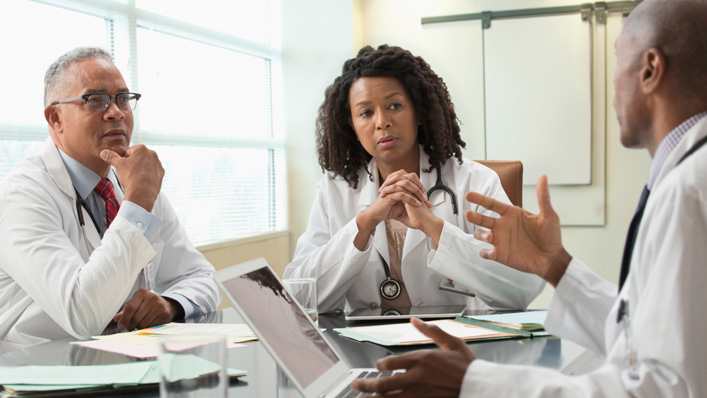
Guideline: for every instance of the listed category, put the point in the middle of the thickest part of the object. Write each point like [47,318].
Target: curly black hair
[339,150]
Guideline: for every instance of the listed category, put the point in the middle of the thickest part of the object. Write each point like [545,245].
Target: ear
[53,116]
[652,70]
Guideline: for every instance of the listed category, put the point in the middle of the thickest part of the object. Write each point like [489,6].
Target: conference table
[265,379]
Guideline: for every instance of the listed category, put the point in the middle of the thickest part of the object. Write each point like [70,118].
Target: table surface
[265,379]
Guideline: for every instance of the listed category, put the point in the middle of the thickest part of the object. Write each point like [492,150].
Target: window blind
[211,104]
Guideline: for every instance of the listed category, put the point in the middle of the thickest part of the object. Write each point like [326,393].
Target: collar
[668,145]
[83,178]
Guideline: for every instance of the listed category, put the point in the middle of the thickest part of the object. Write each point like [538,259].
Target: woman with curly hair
[387,133]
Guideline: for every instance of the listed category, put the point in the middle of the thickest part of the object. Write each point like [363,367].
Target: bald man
[653,332]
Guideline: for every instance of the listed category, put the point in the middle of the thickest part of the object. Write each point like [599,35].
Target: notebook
[291,337]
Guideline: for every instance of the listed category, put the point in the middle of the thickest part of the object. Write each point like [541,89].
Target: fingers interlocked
[403,182]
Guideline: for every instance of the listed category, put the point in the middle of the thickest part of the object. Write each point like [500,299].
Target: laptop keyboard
[349,393]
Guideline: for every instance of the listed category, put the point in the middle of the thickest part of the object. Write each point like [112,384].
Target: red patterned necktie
[105,190]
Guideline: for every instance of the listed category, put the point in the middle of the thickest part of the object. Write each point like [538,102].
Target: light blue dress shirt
[85,180]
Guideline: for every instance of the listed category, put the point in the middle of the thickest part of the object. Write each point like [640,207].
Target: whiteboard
[538,92]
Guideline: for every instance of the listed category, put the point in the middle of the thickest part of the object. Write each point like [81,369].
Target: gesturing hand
[521,240]
[429,373]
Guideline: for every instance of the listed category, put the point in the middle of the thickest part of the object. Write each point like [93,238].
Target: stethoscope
[82,205]
[440,185]
[390,288]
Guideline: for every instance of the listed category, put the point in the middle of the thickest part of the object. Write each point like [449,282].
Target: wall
[454,52]
[273,247]
[314,51]
[317,39]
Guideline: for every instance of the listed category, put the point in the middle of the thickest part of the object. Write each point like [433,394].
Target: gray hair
[54,78]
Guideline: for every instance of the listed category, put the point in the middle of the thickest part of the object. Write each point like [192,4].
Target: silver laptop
[286,331]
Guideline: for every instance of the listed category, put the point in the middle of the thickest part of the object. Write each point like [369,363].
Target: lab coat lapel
[380,243]
[415,237]
[93,238]
[57,169]
[368,194]
[369,189]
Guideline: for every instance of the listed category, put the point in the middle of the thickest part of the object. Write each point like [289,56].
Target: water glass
[192,366]
[304,290]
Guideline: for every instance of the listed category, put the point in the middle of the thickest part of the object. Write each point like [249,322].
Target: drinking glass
[304,290]
[192,366]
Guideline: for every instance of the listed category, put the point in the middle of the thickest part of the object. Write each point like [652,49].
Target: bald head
[678,29]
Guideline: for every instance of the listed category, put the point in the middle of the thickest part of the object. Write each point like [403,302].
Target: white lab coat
[666,293]
[53,284]
[348,278]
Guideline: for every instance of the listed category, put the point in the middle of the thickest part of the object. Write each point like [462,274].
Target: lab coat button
[139,225]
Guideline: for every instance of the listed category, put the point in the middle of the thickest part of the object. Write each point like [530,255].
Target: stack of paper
[69,381]
[407,334]
[526,323]
[143,343]
[527,320]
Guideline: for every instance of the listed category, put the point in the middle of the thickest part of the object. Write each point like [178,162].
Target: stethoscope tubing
[440,185]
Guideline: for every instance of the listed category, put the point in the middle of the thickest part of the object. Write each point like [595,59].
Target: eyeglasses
[99,102]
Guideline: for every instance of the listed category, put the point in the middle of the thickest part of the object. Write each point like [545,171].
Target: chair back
[511,174]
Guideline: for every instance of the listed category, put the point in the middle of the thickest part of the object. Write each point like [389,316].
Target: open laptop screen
[280,322]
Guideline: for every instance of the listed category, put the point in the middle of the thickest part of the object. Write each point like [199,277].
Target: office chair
[511,174]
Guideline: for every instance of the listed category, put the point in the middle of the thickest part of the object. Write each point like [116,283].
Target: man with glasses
[87,242]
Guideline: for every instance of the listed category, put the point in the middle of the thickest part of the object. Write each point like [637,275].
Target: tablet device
[424,312]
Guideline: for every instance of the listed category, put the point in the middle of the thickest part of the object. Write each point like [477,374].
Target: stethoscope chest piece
[390,289]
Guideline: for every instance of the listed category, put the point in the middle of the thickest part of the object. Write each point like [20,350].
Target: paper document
[42,380]
[124,373]
[234,330]
[143,343]
[406,333]
[526,320]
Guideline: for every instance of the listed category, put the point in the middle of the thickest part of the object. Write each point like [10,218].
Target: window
[210,76]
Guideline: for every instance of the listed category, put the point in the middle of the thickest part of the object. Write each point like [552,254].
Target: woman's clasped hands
[404,195]
[401,197]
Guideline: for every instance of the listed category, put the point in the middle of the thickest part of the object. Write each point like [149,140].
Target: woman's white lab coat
[348,278]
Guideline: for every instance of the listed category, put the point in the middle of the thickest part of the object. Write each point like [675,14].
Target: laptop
[287,332]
